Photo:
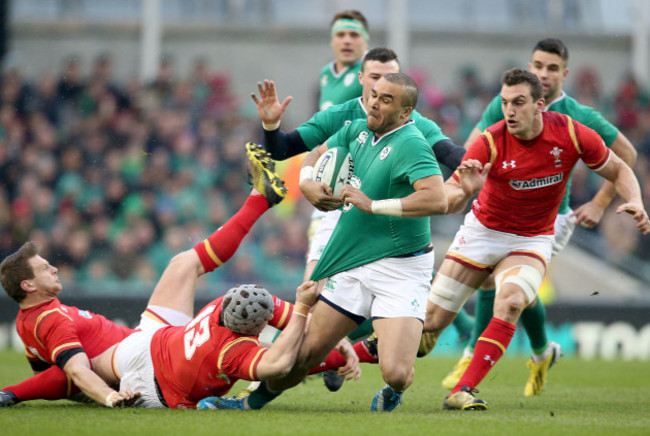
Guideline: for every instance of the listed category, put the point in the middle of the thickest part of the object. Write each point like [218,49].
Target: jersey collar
[561,97]
[376,140]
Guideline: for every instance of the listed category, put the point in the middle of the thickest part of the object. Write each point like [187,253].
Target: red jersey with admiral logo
[51,328]
[204,358]
[527,181]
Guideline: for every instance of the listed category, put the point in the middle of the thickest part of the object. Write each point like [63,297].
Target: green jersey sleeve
[429,129]
[492,114]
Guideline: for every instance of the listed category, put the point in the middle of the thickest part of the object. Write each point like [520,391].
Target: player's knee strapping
[524,276]
[448,293]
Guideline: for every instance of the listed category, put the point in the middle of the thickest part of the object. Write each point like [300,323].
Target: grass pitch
[581,398]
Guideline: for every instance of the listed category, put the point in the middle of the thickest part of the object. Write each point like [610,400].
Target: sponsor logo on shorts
[415,305]
[542,182]
[330,285]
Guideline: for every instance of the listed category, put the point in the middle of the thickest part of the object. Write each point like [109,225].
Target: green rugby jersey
[384,168]
[339,87]
[329,121]
[566,105]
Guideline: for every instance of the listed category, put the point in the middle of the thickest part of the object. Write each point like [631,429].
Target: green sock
[261,396]
[364,329]
[483,313]
[534,321]
[464,324]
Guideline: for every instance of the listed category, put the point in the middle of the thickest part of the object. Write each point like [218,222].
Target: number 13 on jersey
[197,332]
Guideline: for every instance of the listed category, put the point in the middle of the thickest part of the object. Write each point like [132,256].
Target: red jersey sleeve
[282,311]
[590,145]
[56,332]
[482,149]
[240,358]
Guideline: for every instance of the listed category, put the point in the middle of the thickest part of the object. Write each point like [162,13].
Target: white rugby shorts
[133,365]
[322,234]
[565,224]
[386,288]
[478,247]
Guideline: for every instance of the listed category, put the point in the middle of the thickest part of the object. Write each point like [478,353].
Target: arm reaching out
[471,178]
[280,358]
[269,108]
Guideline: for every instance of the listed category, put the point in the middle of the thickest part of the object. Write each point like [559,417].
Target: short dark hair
[379,54]
[16,268]
[410,87]
[553,45]
[351,14]
[515,76]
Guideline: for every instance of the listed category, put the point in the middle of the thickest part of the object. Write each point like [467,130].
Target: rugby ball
[334,168]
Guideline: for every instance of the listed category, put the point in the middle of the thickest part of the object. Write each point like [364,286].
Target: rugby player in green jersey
[281,145]
[382,272]
[549,63]
[338,79]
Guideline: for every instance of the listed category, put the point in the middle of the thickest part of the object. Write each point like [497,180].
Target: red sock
[334,360]
[51,384]
[222,244]
[488,350]
[364,355]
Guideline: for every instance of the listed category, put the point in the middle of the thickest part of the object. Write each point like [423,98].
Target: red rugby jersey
[527,181]
[51,328]
[204,358]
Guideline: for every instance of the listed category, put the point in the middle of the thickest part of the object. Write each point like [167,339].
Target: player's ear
[406,112]
[27,286]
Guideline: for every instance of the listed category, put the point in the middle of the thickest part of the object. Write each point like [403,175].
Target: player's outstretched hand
[351,370]
[588,215]
[123,398]
[320,195]
[307,293]
[269,107]
[356,197]
[472,175]
[638,213]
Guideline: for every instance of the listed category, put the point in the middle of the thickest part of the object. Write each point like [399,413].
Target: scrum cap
[246,308]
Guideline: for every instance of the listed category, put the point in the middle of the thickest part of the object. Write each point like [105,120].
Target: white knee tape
[449,294]
[524,276]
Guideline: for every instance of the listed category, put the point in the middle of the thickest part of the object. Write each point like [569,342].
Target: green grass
[582,398]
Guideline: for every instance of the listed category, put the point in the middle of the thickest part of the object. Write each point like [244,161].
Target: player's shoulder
[572,107]
[350,106]
[496,130]
[327,68]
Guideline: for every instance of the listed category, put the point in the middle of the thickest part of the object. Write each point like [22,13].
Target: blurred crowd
[111,179]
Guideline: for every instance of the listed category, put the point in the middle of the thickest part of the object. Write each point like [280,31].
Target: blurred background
[122,127]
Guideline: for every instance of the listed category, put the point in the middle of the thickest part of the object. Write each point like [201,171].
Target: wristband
[108,402]
[306,173]
[392,206]
[271,127]
[304,310]
[301,314]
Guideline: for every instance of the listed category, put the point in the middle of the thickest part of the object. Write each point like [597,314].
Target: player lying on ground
[59,337]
